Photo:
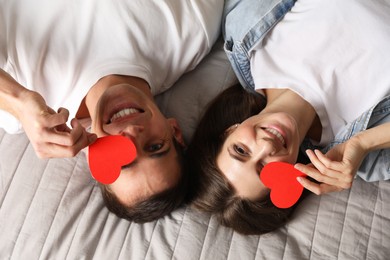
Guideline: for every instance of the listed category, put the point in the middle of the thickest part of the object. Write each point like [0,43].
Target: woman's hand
[335,171]
[47,129]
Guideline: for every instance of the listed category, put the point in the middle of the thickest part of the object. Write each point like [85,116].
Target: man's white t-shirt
[335,54]
[62,48]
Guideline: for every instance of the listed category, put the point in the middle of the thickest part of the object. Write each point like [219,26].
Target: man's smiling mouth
[125,112]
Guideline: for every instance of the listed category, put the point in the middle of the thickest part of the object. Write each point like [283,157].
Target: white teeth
[277,134]
[124,112]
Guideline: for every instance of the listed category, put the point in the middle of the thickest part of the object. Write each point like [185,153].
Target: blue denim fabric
[376,165]
[245,24]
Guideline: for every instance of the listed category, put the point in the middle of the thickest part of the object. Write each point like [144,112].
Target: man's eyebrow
[154,156]
[128,166]
[161,154]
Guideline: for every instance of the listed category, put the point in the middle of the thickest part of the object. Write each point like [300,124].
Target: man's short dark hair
[156,206]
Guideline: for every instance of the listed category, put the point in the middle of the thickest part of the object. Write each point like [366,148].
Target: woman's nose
[265,148]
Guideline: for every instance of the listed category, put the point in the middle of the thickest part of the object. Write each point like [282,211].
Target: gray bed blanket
[52,209]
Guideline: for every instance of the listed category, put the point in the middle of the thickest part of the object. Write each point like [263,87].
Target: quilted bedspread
[52,209]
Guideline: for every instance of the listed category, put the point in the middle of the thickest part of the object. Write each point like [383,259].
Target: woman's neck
[285,100]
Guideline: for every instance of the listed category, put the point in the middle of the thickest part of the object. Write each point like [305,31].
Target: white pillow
[188,98]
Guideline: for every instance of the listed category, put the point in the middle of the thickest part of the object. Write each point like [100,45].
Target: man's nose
[132,131]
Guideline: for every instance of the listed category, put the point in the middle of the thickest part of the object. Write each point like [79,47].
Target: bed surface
[52,209]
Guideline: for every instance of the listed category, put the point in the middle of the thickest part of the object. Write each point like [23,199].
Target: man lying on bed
[104,61]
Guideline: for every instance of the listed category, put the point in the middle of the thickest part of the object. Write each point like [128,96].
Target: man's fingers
[68,138]
[50,149]
[56,139]
[56,119]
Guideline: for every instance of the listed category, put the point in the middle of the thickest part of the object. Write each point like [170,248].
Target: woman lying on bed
[104,61]
[323,73]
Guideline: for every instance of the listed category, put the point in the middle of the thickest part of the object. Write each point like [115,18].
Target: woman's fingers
[325,165]
[315,171]
[330,174]
[316,188]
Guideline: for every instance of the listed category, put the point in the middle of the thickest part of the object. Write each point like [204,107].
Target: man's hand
[47,129]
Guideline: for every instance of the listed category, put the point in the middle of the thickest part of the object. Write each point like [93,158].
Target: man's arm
[46,129]
[10,93]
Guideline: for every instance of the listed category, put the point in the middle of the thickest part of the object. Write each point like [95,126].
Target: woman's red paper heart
[281,178]
[107,155]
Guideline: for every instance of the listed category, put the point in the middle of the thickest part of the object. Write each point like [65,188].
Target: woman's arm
[46,129]
[336,169]
[375,138]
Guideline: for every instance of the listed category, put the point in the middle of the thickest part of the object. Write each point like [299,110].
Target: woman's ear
[230,129]
[177,133]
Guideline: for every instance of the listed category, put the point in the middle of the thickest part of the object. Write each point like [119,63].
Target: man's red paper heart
[281,178]
[107,155]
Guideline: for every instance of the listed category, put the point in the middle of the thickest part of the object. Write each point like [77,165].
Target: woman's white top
[335,54]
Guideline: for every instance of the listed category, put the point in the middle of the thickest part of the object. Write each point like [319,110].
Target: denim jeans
[245,23]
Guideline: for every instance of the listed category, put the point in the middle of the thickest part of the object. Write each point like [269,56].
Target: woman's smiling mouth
[277,134]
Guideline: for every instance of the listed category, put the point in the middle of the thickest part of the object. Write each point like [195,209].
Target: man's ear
[177,133]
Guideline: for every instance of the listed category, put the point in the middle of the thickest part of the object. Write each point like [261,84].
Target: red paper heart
[281,178]
[107,155]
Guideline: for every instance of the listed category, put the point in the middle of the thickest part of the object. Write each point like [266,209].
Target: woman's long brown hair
[210,189]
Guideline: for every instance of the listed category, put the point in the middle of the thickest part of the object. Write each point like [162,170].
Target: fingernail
[74,122]
[299,179]
[92,138]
